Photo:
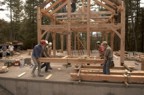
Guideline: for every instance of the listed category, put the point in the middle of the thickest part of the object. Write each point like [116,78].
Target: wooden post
[62,42]
[69,29]
[88,27]
[75,44]
[106,37]
[38,25]
[82,9]
[122,45]
[112,39]
[54,43]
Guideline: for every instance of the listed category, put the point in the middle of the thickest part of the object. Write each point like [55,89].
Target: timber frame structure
[110,20]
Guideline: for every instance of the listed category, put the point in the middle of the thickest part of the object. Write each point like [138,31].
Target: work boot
[46,71]
[40,75]
[50,68]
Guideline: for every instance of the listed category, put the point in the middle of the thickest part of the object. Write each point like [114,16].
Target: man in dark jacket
[36,54]
[45,53]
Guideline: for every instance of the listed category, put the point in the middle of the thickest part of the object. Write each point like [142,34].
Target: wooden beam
[43,33]
[112,40]
[72,60]
[122,43]
[113,71]
[118,34]
[62,42]
[78,39]
[69,29]
[95,66]
[38,24]
[44,3]
[118,2]
[110,3]
[54,43]
[79,14]
[63,4]
[53,5]
[88,28]
[47,14]
[108,78]
[82,27]
[105,6]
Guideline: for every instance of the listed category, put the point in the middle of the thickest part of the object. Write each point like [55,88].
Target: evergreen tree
[16,15]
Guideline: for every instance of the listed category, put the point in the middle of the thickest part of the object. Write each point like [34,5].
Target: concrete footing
[45,87]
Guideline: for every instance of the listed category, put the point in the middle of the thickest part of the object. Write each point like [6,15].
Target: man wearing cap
[36,54]
[108,57]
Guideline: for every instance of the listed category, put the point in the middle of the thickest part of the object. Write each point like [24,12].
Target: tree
[16,15]
[29,24]
[4,28]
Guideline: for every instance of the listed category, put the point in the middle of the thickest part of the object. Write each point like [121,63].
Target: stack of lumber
[118,74]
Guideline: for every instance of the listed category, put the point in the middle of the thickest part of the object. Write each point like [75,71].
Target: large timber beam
[108,78]
[122,44]
[72,60]
[39,25]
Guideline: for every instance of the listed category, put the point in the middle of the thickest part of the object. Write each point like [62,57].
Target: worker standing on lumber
[36,54]
[46,53]
[108,57]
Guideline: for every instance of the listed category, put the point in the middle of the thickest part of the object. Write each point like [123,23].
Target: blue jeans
[36,64]
[106,67]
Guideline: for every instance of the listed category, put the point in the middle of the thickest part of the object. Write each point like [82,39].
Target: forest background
[22,24]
